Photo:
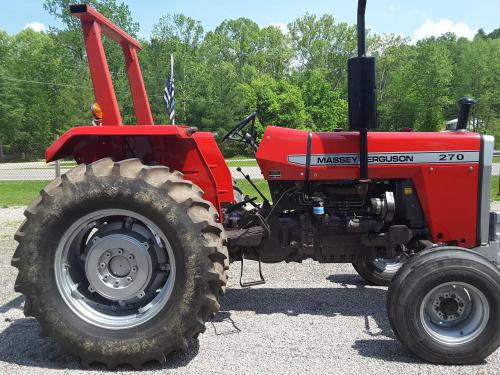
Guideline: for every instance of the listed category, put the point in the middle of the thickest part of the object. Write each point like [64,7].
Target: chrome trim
[491,250]
[487,144]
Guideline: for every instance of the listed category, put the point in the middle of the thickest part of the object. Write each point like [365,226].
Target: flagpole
[172,77]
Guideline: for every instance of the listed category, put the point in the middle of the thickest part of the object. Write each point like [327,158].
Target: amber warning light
[96,114]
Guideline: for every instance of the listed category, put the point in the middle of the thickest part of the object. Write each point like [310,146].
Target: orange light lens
[96,111]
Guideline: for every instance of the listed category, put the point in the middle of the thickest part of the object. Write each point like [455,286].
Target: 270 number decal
[450,157]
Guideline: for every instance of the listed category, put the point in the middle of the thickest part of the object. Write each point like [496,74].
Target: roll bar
[95,25]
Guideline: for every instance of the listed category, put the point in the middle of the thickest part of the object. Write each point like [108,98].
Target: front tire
[444,306]
[120,262]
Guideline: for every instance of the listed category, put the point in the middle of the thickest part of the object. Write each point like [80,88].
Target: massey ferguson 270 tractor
[124,258]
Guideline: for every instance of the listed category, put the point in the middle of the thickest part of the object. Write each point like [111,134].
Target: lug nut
[141,294]
[107,255]
[102,265]
[106,277]
[130,257]
[129,279]
[134,269]
[119,252]
[117,284]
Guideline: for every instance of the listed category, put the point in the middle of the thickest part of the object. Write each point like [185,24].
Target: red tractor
[124,258]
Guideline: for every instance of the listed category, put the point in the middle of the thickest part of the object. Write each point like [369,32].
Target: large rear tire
[120,262]
[444,306]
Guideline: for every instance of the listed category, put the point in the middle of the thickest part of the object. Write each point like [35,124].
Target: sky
[413,19]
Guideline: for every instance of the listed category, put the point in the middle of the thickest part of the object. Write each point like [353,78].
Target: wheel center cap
[119,266]
[449,306]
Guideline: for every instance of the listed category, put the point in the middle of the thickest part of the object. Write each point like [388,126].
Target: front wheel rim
[115,269]
[454,313]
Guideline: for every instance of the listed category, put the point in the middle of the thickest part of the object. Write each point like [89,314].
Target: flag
[169,95]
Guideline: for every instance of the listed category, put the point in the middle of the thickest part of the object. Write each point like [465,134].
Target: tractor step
[251,283]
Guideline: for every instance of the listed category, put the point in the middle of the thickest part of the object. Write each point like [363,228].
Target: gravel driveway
[308,318]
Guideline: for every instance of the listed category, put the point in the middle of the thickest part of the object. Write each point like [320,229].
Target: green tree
[325,106]
[277,102]
[322,43]
[11,111]
[296,79]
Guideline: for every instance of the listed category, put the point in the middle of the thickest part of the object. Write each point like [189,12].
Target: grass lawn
[496,159]
[243,163]
[247,189]
[494,189]
[21,193]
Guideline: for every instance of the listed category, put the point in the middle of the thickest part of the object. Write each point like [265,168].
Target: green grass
[494,189]
[496,159]
[244,163]
[241,161]
[247,189]
[19,193]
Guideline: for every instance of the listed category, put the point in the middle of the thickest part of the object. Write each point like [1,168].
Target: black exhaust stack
[465,104]
[362,92]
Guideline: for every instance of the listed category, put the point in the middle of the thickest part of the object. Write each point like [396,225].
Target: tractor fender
[195,154]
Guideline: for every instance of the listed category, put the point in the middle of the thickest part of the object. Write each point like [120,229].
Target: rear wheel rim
[115,269]
[454,313]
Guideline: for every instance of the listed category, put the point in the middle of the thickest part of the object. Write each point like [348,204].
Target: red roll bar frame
[94,25]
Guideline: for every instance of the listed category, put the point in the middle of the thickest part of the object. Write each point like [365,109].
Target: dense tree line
[295,79]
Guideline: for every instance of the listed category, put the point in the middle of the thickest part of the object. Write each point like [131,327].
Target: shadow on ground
[329,302]
[21,345]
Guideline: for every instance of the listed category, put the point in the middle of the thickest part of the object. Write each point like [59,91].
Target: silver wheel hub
[118,267]
[449,307]
[114,269]
[454,313]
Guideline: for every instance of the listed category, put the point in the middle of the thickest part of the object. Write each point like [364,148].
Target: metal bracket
[251,283]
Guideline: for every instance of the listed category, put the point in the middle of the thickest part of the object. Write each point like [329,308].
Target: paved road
[40,171]
[309,318]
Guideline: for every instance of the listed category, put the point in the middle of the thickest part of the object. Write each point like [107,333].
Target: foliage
[296,79]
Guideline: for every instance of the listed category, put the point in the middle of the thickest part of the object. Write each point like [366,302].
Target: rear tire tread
[204,217]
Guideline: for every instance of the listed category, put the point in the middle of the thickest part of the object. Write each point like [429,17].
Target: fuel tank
[445,169]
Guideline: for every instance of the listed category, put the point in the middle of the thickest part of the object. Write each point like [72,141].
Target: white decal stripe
[446,157]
